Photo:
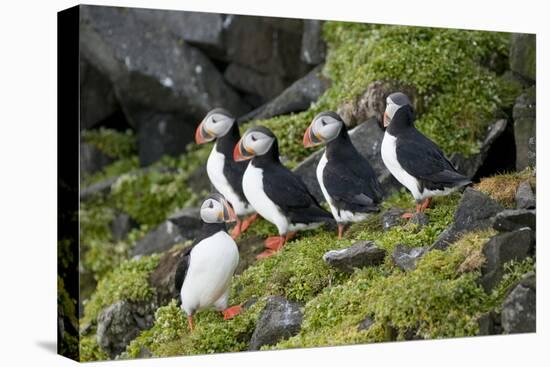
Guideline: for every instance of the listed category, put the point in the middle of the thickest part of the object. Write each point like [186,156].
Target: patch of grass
[112,143]
[117,168]
[513,272]
[503,187]
[90,351]
[129,281]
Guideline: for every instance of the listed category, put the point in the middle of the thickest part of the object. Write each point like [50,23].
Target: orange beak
[311,139]
[202,135]
[228,212]
[241,153]
[386,119]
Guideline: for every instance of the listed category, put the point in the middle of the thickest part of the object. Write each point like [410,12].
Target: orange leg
[275,243]
[248,221]
[425,204]
[190,323]
[410,215]
[231,312]
[236,230]
[340,230]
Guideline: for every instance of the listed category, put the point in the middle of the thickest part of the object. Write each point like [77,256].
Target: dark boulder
[525,198]
[514,219]
[358,255]
[188,222]
[245,79]
[501,249]
[372,103]
[519,309]
[313,46]
[405,257]
[162,279]
[419,219]
[163,85]
[475,212]
[525,126]
[122,225]
[391,218]
[489,324]
[523,56]
[367,138]
[160,239]
[97,96]
[120,323]
[297,97]
[279,320]
[495,147]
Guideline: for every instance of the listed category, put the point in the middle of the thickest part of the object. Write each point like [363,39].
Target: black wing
[353,185]
[290,193]
[423,159]
[181,270]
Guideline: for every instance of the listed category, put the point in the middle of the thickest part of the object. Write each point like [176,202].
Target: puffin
[347,180]
[413,159]
[275,192]
[224,173]
[203,275]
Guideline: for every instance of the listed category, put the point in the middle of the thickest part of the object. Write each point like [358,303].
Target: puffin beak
[202,135]
[241,153]
[311,139]
[386,119]
[228,212]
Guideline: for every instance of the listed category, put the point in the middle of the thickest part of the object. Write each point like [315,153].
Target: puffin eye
[210,204]
[214,120]
[324,122]
[253,138]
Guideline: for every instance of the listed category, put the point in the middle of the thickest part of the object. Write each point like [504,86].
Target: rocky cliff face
[467,266]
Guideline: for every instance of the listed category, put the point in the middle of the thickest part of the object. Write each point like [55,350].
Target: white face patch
[327,127]
[212,211]
[218,124]
[258,142]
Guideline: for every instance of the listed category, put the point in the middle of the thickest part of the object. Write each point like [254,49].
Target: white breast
[389,157]
[214,168]
[212,264]
[341,216]
[253,188]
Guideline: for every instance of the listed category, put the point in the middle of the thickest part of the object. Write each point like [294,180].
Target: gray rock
[525,198]
[162,279]
[122,225]
[313,46]
[514,219]
[297,97]
[101,188]
[501,249]
[188,222]
[92,159]
[358,255]
[372,103]
[365,324]
[367,139]
[120,323]
[391,218]
[470,166]
[519,309]
[475,212]
[406,258]
[97,96]
[245,79]
[419,219]
[273,47]
[163,85]
[279,320]
[489,324]
[160,239]
[523,56]
[532,152]
[525,126]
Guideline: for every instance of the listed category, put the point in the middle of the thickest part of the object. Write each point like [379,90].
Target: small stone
[501,249]
[360,254]
[391,218]
[365,324]
[519,309]
[419,219]
[121,226]
[405,257]
[514,219]
[525,198]
[279,320]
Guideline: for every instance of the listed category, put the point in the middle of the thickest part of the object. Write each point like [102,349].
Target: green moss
[129,281]
[513,272]
[90,350]
[112,143]
[170,335]
[117,168]
[458,94]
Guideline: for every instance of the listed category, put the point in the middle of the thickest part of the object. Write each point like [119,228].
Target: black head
[399,113]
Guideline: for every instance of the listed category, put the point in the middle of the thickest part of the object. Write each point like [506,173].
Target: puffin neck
[401,121]
[270,157]
[226,143]
[340,144]
[209,229]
